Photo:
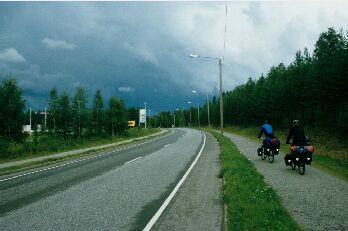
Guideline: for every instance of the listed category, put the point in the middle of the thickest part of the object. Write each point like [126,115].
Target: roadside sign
[131,123]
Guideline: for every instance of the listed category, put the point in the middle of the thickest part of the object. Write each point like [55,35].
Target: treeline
[70,116]
[313,89]
[70,120]
[168,119]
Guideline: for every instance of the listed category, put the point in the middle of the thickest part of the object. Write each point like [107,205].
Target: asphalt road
[197,205]
[117,190]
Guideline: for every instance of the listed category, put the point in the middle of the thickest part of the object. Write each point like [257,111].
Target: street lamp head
[193,56]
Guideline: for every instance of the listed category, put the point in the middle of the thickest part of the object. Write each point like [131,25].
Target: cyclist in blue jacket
[267,129]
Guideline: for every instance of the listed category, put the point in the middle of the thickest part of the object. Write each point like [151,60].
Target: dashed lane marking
[128,162]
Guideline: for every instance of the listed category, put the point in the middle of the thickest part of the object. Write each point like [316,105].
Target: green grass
[251,203]
[47,145]
[336,167]
[26,166]
[330,155]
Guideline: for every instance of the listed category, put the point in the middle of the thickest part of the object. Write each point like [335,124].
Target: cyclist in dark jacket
[297,134]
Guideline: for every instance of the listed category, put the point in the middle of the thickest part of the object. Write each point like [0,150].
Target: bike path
[316,200]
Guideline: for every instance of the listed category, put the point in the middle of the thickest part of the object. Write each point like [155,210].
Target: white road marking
[88,158]
[128,162]
[170,197]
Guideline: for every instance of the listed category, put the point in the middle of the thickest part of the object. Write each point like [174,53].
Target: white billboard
[142,115]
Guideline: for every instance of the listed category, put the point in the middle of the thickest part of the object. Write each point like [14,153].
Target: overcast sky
[138,51]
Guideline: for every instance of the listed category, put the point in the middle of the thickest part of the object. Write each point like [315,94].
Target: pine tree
[117,116]
[98,114]
[64,120]
[52,108]
[12,110]
[80,111]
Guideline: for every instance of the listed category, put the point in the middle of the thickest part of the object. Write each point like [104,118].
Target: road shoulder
[197,205]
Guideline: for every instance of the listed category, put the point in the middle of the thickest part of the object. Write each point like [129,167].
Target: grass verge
[335,167]
[321,158]
[50,160]
[35,164]
[251,203]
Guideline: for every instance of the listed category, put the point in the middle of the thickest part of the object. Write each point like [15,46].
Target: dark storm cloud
[98,46]
[139,50]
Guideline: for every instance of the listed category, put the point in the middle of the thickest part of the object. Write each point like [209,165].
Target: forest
[312,89]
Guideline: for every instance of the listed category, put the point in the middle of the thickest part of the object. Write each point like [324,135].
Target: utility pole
[45,119]
[190,114]
[198,116]
[145,113]
[45,113]
[208,112]
[190,118]
[221,102]
[30,120]
[80,120]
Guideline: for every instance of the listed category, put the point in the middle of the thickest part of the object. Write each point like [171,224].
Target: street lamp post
[190,112]
[150,118]
[197,110]
[182,117]
[221,100]
[30,121]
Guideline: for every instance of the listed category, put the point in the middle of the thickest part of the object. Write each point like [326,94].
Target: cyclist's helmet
[295,122]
